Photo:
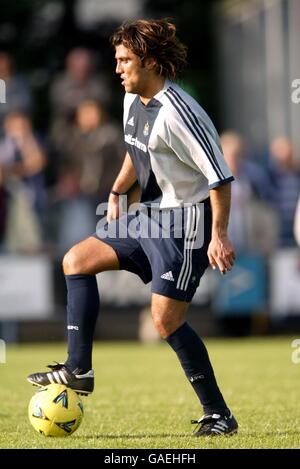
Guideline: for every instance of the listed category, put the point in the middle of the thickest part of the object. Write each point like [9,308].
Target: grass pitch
[143,400]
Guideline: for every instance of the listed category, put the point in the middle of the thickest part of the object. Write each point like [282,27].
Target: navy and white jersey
[174,148]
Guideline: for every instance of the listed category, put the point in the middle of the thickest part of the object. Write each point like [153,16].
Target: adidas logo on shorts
[168,276]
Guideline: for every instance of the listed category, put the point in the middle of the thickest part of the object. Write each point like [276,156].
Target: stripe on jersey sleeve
[197,125]
[191,121]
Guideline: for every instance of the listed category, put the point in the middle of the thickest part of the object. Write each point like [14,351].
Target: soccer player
[173,151]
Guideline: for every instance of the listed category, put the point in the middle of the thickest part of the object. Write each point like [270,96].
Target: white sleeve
[195,146]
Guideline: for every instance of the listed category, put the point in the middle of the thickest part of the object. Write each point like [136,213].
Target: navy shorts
[167,247]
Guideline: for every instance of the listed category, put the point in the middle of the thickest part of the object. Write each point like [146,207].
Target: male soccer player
[173,151]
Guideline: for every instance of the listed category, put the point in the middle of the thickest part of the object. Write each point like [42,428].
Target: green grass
[143,400]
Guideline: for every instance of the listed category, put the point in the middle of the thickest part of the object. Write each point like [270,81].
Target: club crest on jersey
[146,129]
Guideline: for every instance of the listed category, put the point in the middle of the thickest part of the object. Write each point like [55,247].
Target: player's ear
[150,63]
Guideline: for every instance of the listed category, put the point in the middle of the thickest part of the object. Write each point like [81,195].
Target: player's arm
[124,181]
[220,251]
[201,149]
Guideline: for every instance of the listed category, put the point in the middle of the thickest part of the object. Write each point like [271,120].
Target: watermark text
[2,351]
[296,353]
[151,222]
[295,96]
[2,91]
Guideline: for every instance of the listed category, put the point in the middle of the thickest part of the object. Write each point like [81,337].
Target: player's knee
[72,264]
[165,325]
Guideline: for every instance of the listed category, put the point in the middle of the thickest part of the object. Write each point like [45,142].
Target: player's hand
[221,254]
[113,209]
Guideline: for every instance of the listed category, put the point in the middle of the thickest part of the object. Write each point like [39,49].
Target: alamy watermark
[2,351]
[152,222]
[296,353]
[2,92]
[295,96]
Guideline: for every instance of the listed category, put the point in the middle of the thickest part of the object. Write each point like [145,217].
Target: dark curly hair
[156,39]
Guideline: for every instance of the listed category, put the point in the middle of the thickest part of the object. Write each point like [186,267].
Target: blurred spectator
[284,180]
[18,97]
[77,83]
[253,224]
[89,155]
[242,166]
[22,161]
[94,145]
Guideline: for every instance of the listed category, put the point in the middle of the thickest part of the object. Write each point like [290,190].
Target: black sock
[194,359]
[82,313]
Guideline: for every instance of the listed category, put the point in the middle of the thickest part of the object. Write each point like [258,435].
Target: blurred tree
[39,33]
[195,28]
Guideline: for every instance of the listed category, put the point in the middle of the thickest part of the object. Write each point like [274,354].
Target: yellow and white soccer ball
[55,410]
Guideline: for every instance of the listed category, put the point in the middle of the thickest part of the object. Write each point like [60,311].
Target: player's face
[134,75]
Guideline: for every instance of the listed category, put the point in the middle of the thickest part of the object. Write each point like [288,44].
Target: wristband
[115,193]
